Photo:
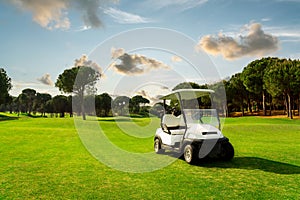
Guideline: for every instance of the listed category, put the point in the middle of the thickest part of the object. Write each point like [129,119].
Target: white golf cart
[194,132]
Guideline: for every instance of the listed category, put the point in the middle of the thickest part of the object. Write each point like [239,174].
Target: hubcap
[188,155]
[156,146]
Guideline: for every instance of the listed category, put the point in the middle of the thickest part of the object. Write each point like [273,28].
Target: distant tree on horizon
[237,92]
[120,105]
[60,104]
[136,101]
[103,103]
[5,86]
[40,102]
[27,98]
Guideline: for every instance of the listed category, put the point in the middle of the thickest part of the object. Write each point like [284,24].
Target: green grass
[43,158]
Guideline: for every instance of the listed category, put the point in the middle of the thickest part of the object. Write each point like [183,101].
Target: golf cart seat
[173,124]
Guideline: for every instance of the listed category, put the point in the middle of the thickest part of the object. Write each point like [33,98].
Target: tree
[89,104]
[187,85]
[49,107]
[120,105]
[237,92]
[12,107]
[60,103]
[283,77]
[103,104]
[136,101]
[69,108]
[174,104]
[78,80]
[252,77]
[40,102]
[5,86]
[27,98]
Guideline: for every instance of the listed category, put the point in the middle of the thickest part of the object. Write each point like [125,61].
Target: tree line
[33,103]
[266,85]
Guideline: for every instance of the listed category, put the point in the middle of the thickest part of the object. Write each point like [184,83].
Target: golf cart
[195,132]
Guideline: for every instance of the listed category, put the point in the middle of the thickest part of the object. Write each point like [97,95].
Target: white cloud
[116,53]
[266,19]
[125,17]
[176,59]
[53,14]
[83,61]
[46,79]
[82,28]
[290,32]
[255,43]
[146,95]
[180,4]
[285,33]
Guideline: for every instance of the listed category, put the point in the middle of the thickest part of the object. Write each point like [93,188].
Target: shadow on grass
[34,116]
[121,119]
[252,163]
[5,117]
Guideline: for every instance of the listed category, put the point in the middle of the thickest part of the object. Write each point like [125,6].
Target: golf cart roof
[187,94]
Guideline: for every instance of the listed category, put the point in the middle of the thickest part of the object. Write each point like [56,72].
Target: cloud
[125,17]
[135,64]
[255,43]
[82,28]
[48,14]
[142,93]
[176,59]
[291,32]
[116,53]
[266,19]
[46,79]
[53,14]
[83,61]
[18,86]
[181,4]
[145,94]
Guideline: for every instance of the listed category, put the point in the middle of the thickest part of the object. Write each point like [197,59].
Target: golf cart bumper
[199,142]
[212,148]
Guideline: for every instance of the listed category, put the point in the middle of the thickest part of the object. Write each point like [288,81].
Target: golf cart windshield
[203,116]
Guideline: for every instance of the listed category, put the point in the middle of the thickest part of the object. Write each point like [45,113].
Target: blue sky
[39,39]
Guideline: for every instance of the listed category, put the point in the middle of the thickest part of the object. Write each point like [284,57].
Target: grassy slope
[44,158]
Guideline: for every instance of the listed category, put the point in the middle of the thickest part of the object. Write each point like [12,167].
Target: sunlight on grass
[44,158]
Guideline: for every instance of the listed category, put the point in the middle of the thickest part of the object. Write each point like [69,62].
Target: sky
[142,47]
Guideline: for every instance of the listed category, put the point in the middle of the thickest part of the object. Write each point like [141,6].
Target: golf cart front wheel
[227,151]
[189,154]
[157,146]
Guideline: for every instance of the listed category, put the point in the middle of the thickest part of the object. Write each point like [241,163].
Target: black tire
[227,151]
[157,146]
[189,154]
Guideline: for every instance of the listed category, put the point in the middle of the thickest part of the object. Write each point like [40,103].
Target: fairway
[43,158]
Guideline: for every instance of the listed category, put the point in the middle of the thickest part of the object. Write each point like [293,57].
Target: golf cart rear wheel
[157,146]
[189,154]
